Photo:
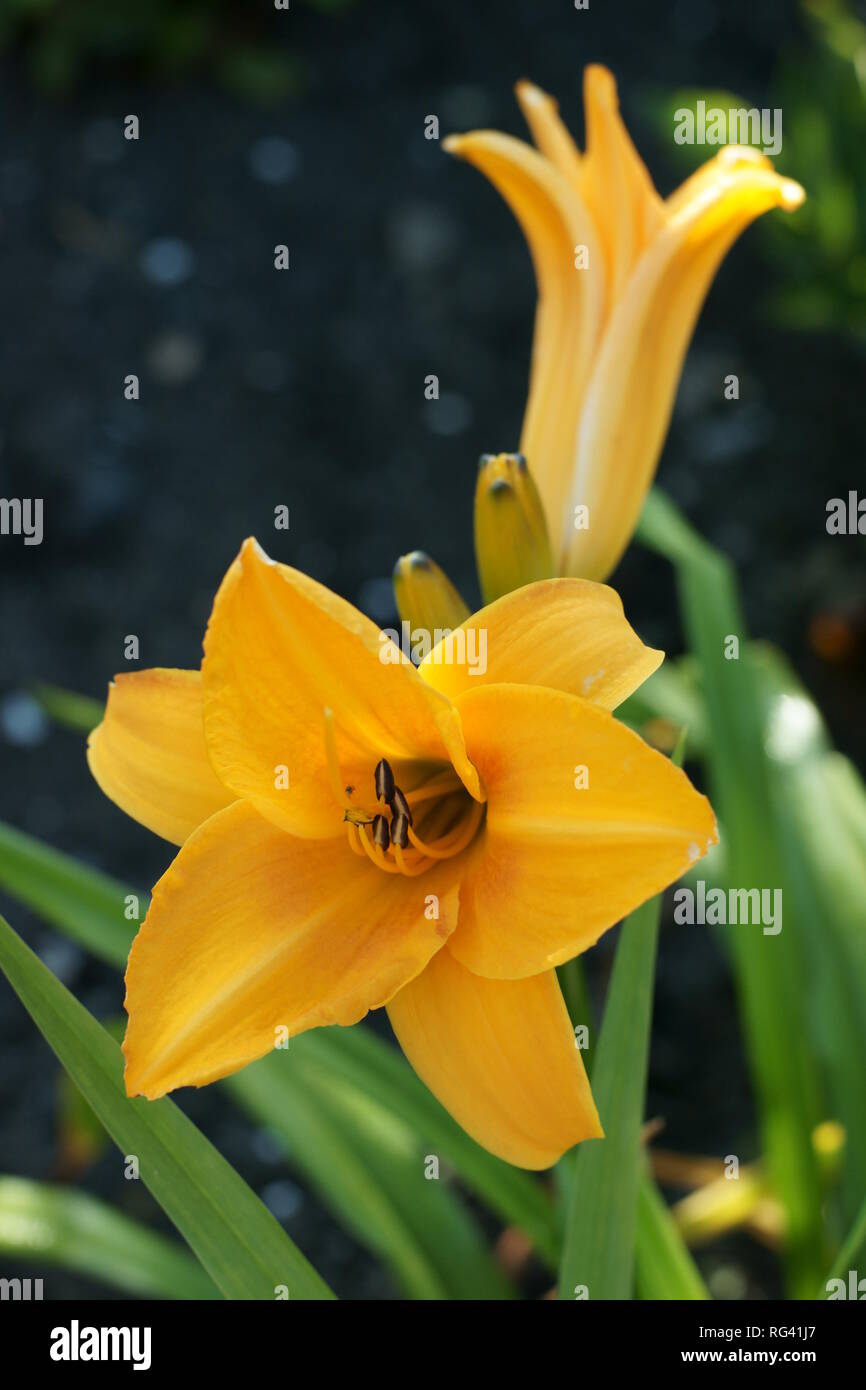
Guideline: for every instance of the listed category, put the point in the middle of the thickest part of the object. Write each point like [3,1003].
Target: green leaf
[43,1224]
[664,1267]
[237,1240]
[368,1167]
[771,971]
[601,1217]
[89,907]
[852,1253]
[77,712]
[575,992]
[820,806]
[84,904]
[672,693]
[367,1064]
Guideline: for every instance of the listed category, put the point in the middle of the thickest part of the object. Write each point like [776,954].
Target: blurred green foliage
[820,86]
[64,42]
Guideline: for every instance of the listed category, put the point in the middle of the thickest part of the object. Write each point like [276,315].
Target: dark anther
[400,831]
[381,834]
[485,459]
[400,806]
[520,460]
[384,778]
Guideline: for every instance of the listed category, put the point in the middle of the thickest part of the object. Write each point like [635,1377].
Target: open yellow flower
[621,276]
[357,832]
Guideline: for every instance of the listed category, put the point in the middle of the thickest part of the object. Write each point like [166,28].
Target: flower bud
[512,546]
[425,596]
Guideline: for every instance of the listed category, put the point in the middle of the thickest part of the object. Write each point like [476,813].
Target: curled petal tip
[792,195]
[529,95]
[600,84]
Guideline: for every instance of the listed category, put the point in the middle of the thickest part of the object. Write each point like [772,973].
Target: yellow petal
[555,865]
[614,180]
[643,348]
[500,1055]
[279,650]
[570,634]
[149,754]
[425,597]
[570,305]
[550,133]
[251,932]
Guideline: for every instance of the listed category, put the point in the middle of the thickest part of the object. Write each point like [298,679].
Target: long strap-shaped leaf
[56,1225]
[368,1166]
[601,1217]
[242,1247]
[772,978]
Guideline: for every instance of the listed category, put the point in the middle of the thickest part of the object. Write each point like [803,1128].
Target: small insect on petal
[384,778]
[400,806]
[381,834]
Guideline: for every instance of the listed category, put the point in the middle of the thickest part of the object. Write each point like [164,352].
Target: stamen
[381,833]
[400,806]
[457,840]
[400,831]
[439,786]
[376,854]
[352,832]
[410,870]
[384,779]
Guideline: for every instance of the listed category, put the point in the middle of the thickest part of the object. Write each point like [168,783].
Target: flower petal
[643,348]
[551,135]
[501,1057]
[251,931]
[570,634]
[614,180]
[556,866]
[570,305]
[149,754]
[279,650]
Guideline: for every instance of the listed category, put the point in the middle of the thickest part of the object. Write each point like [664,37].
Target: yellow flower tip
[512,545]
[792,195]
[599,86]
[425,596]
[252,550]
[529,95]
[453,144]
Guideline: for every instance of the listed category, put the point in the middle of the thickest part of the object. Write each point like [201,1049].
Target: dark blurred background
[306,388]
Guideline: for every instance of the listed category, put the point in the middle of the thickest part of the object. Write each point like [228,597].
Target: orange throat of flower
[404,832]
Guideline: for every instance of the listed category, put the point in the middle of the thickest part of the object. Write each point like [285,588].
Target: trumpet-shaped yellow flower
[358,832]
[621,277]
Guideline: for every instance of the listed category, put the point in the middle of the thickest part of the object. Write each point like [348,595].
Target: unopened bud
[512,545]
[426,599]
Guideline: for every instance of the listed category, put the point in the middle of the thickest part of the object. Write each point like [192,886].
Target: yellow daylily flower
[357,832]
[621,275]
